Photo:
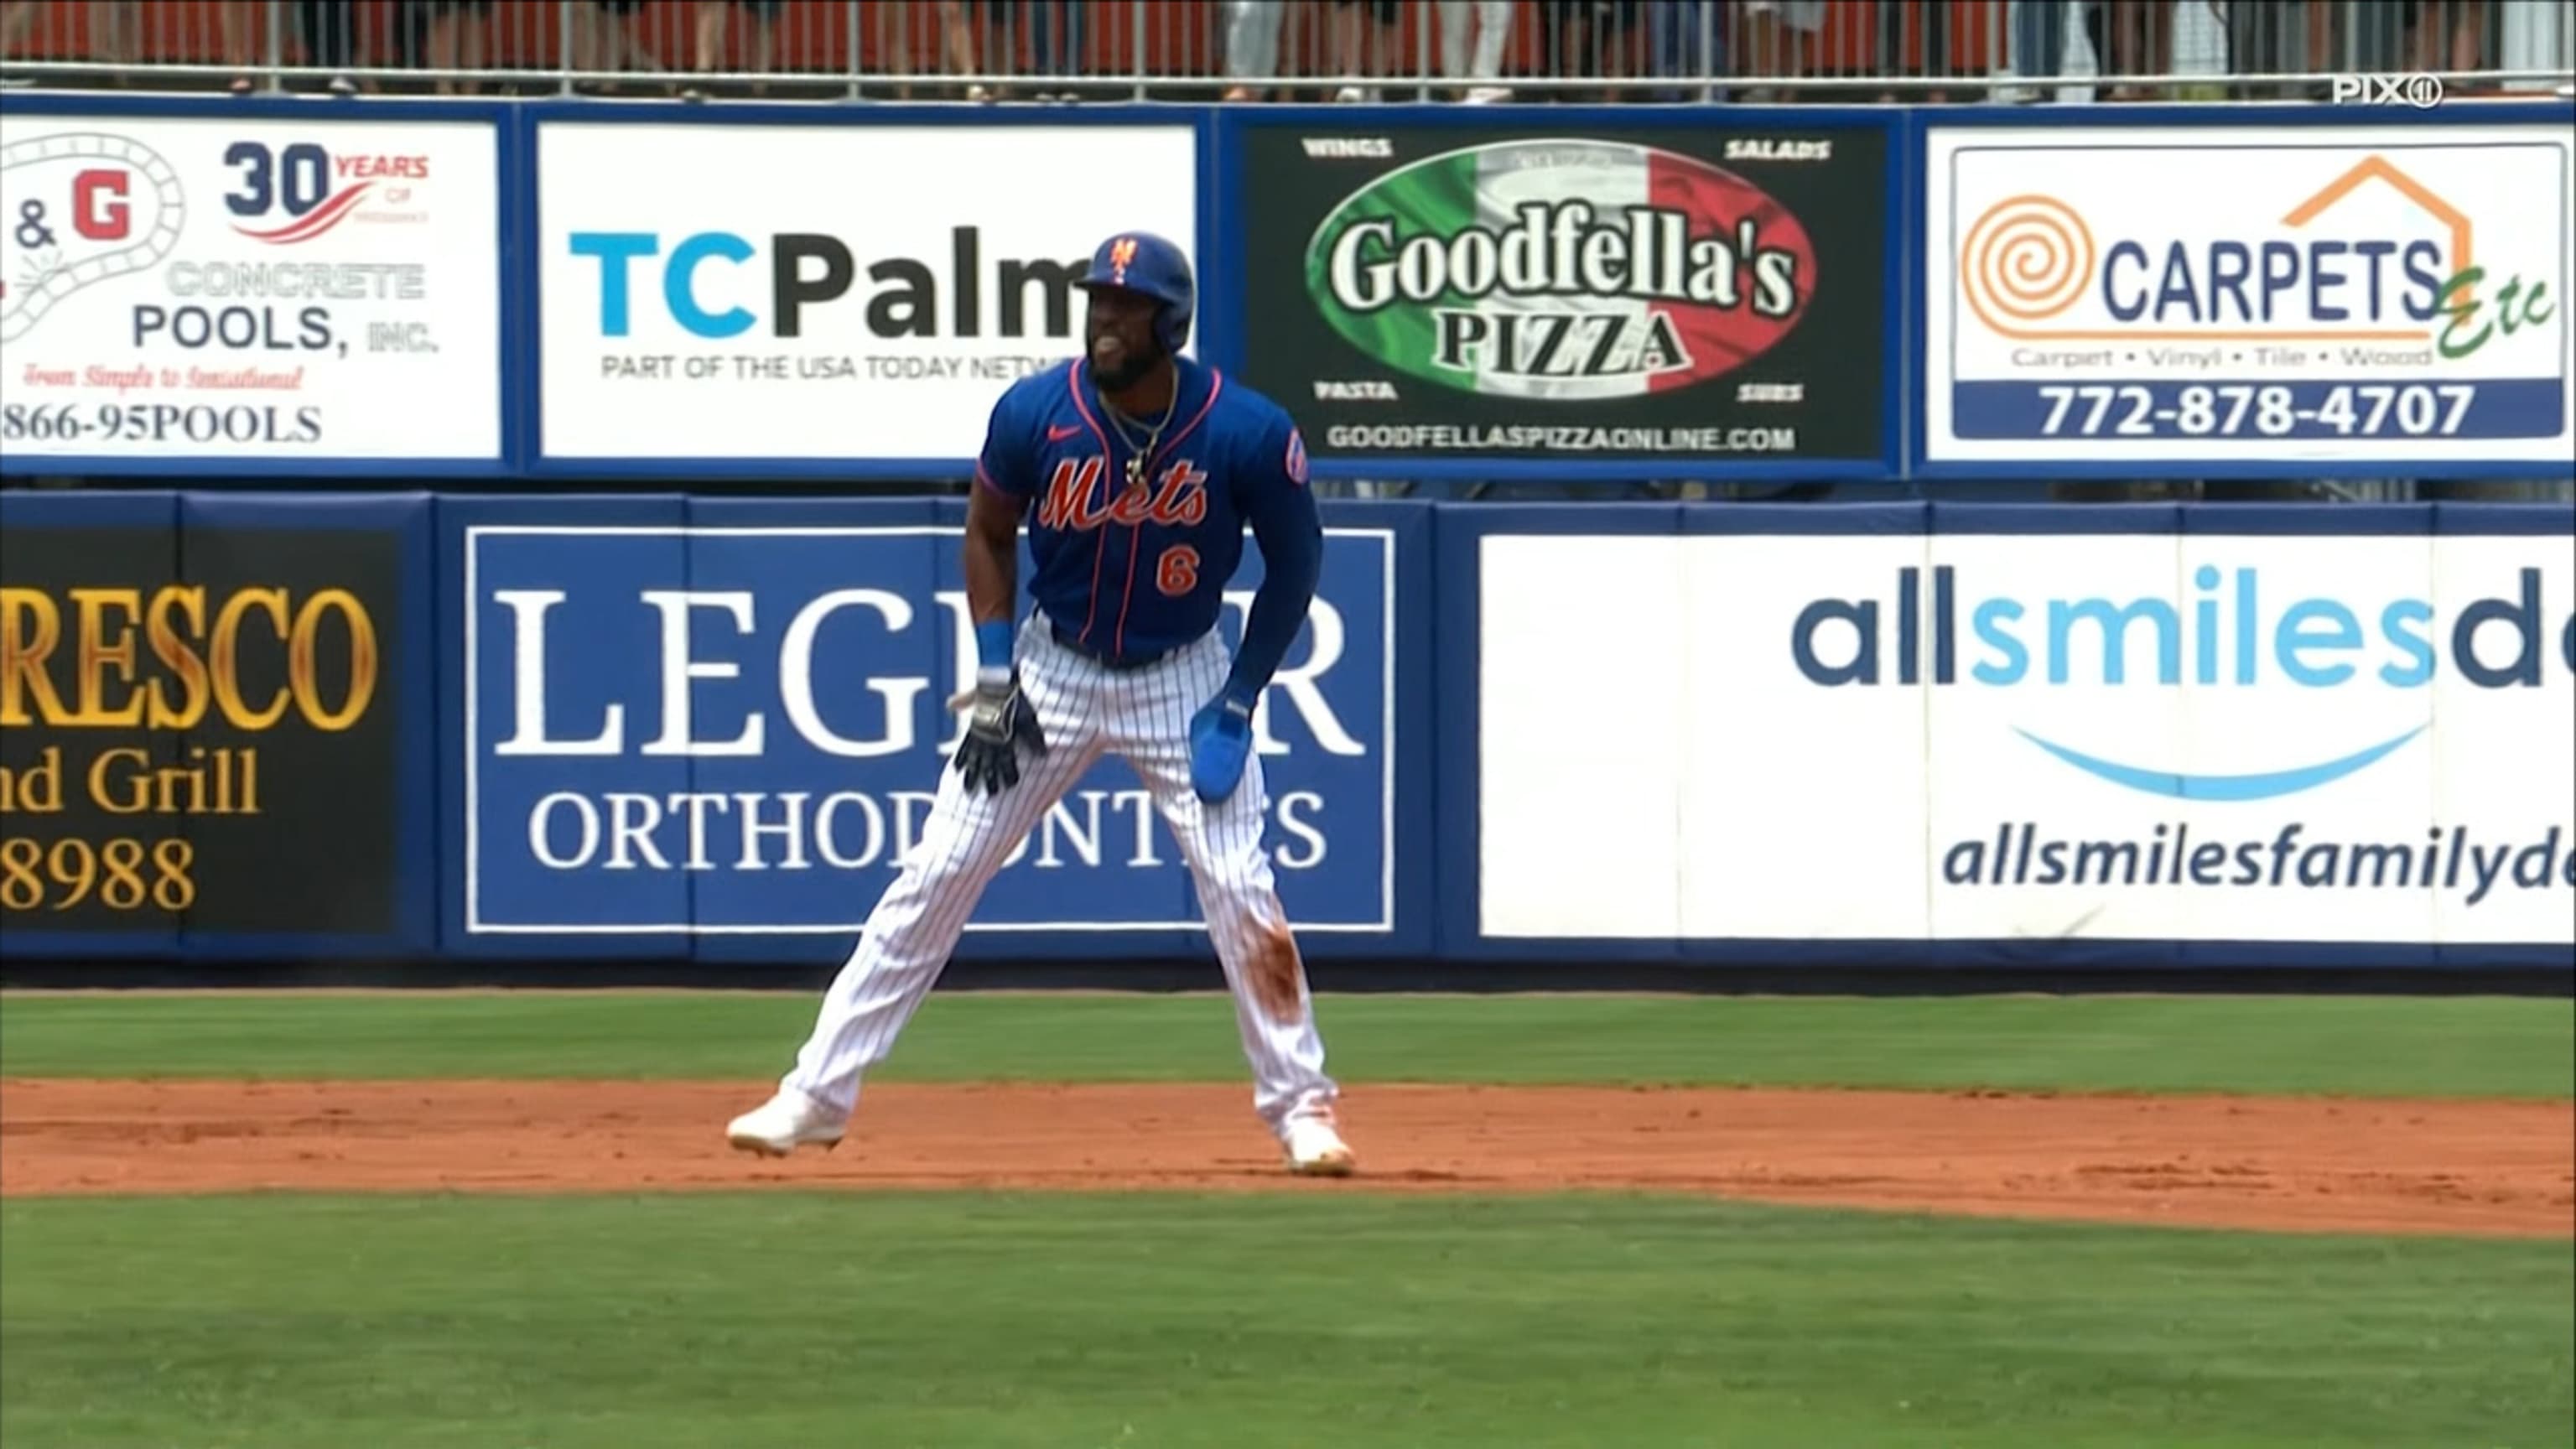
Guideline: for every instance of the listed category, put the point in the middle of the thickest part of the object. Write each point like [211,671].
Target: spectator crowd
[1243,50]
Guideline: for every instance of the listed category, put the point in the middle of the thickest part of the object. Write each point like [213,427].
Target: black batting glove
[1000,724]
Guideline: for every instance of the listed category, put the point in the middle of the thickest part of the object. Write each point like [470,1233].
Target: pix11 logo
[2420,91]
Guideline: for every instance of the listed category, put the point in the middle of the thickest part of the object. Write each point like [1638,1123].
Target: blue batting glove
[1220,744]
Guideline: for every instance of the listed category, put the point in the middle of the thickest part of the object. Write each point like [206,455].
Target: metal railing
[1354,50]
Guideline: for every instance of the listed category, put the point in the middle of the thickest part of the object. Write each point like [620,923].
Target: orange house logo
[2029,259]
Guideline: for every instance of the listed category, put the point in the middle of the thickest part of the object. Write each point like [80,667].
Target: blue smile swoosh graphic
[2223,787]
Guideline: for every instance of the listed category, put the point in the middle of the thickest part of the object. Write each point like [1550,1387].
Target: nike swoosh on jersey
[1057,433]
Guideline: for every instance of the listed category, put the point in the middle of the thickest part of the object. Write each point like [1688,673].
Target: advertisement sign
[249,289]
[740,731]
[199,727]
[823,292]
[2044,738]
[1609,293]
[2363,297]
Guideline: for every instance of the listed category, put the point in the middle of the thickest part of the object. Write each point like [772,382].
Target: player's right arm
[1001,722]
[1005,480]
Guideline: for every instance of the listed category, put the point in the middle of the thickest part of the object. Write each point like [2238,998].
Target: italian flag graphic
[1561,270]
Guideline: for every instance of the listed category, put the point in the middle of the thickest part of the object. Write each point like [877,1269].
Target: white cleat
[784,1123]
[1316,1150]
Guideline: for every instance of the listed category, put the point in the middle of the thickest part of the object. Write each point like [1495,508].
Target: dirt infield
[2444,1167]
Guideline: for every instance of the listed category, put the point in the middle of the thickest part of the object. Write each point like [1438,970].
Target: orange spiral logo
[2026,259]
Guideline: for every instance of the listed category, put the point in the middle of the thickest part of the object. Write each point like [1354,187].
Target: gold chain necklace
[1138,458]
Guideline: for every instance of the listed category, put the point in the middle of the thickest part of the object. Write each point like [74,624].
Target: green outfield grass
[1318,1320]
[792,1320]
[2506,1047]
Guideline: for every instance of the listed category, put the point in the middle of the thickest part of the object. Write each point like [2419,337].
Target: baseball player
[1136,471]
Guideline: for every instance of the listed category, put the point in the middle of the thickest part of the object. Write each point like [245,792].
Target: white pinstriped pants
[1085,710]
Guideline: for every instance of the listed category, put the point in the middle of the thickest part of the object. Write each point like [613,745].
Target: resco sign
[203,731]
[240,289]
[736,731]
[2343,295]
[824,292]
[2197,737]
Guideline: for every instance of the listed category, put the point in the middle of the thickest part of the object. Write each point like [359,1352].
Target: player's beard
[1130,371]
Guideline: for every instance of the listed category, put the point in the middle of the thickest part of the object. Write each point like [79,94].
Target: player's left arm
[1270,489]
[1274,497]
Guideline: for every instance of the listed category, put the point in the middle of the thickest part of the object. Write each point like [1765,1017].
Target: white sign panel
[249,289]
[2341,295]
[2196,737]
[824,292]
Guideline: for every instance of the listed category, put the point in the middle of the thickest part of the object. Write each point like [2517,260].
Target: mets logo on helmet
[1122,255]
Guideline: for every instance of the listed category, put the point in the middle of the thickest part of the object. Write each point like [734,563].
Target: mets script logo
[1073,502]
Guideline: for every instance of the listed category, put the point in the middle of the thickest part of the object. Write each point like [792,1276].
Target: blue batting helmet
[1149,266]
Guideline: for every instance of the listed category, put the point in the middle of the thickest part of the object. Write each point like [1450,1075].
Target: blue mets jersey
[1131,564]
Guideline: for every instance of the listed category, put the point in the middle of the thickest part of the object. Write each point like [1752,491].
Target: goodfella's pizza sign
[1561,269]
[1657,296]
